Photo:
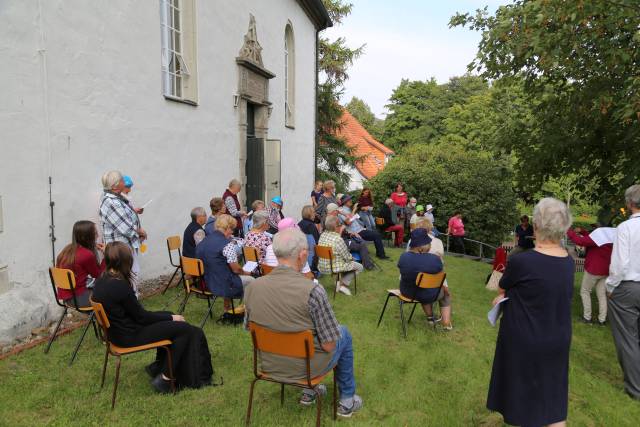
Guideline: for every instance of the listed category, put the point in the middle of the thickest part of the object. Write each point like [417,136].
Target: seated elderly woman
[222,272]
[530,377]
[132,325]
[258,237]
[437,247]
[270,257]
[418,260]
[342,259]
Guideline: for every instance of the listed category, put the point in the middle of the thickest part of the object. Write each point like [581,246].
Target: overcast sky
[405,39]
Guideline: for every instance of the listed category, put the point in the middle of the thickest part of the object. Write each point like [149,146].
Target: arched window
[289,76]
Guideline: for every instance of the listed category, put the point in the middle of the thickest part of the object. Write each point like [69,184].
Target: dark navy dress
[530,376]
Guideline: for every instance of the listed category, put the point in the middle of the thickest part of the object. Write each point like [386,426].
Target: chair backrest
[430,281]
[192,266]
[379,221]
[290,344]
[324,252]
[251,254]
[266,269]
[102,319]
[173,244]
[62,278]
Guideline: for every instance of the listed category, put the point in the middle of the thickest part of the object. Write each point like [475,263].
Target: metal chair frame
[387,236]
[404,300]
[252,254]
[197,286]
[71,280]
[116,351]
[336,274]
[308,383]
[178,267]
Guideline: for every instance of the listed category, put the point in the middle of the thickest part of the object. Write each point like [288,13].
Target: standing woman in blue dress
[530,377]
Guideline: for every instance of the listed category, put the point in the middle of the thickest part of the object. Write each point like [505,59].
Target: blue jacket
[220,280]
[210,225]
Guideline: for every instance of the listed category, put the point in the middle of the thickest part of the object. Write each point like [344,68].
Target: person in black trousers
[132,325]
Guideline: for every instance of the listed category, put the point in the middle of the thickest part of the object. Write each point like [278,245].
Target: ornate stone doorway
[254,111]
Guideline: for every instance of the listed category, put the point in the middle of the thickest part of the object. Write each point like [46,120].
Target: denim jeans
[343,361]
[367,220]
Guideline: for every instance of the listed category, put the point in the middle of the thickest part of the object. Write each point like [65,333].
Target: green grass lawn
[431,379]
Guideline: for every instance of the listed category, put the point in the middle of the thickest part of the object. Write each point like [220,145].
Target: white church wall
[93,68]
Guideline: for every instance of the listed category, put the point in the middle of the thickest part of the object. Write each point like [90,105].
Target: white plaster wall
[356,179]
[106,111]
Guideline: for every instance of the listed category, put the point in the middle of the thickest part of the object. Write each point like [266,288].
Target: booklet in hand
[495,312]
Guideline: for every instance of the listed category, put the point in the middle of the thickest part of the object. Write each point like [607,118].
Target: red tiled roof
[366,146]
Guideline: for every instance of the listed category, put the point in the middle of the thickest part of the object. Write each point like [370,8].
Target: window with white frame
[178,30]
[289,76]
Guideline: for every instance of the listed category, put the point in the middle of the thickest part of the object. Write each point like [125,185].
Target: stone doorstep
[75,320]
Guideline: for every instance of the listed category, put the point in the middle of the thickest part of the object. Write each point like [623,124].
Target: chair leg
[383,309]
[104,367]
[170,280]
[209,312]
[115,384]
[184,303]
[95,328]
[84,332]
[55,331]
[281,394]
[335,396]
[318,408]
[404,326]
[412,311]
[170,364]
[355,283]
[253,384]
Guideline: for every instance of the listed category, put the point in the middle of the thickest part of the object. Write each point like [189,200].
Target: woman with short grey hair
[258,237]
[530,377]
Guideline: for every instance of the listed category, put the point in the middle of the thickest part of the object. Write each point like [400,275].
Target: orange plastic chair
[65,279]
[424,281]
[326,252]
[116,351]
[252,254]
[289,344]
[173,244]
[266,269]
[195,285]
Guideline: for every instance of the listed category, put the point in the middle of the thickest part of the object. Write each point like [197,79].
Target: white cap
[332,207]
[429,207]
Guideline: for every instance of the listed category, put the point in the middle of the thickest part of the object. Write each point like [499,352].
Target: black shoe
[602,323]
[153,369]
[161,385]
[383,257]
[583,320]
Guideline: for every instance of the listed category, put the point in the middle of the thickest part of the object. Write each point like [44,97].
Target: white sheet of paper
[147,204]
[603,235]
[494,313]
[356,216]
[249,266]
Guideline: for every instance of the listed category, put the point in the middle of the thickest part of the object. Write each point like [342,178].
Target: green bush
[451,179]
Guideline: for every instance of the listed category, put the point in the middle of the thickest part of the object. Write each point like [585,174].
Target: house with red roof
[373,155]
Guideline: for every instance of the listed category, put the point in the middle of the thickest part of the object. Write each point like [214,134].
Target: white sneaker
[345,290]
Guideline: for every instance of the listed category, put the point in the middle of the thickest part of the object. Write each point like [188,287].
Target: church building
[181,95]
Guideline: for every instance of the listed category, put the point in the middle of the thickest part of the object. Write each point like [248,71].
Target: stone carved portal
[253,91]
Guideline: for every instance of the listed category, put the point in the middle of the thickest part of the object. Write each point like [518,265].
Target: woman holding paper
[530,376]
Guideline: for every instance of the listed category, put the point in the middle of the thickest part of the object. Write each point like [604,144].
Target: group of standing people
[530,375]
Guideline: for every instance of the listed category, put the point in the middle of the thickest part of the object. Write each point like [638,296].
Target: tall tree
[580,64]
[362,112]
[418,109]
[335,57]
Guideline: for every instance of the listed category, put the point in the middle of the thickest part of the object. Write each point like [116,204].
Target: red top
[456,226]
[598,258]
[84,265]
[399,199]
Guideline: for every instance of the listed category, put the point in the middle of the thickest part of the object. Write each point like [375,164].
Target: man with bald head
[286,301]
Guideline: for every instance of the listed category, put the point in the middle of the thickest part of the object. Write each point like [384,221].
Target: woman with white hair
[258,237]
[530,376]
[119,221]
